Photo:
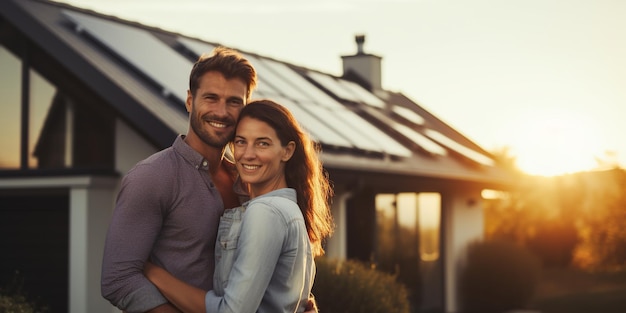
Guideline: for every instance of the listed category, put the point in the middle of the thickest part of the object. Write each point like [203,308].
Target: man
[169,204]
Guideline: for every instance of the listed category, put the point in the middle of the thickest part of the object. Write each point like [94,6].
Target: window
[429,216]
[408,221]
[10,87]
[41,96]
[44,127]
[407,243]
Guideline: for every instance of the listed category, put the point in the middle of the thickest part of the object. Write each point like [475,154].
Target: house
[85,96]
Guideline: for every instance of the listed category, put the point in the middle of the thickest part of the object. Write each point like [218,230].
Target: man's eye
[235,103]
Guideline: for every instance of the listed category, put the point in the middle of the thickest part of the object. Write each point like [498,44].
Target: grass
[574,291]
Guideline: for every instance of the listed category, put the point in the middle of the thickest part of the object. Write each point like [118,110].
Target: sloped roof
[142,72]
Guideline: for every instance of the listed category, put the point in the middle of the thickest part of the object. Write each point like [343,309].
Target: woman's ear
[289,149]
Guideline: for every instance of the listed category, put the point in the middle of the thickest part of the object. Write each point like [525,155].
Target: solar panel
[197,47]
[316,128]
[278,83]
[420,139]
[131,44]
[408,114]
[302,85]
[362,94]
[332,85]
[369,133]
[463,150]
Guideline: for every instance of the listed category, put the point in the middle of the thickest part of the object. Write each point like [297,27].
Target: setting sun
[556,143]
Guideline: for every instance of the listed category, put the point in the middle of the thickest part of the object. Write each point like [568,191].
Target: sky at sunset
[543,77]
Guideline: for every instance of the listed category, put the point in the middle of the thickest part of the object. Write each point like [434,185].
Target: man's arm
[311,306]
[165,308]
[135,225]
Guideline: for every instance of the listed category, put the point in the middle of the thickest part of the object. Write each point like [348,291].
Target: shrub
[14,300]
[554,243]
[17,304]
[352,287]
[498,276]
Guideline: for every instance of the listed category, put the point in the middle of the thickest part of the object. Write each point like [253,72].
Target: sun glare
[555,144]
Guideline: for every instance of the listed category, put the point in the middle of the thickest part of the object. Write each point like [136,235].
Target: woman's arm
[185,297]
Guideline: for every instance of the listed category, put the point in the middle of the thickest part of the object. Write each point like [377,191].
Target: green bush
[498,276]
[14,300]
[353,287]
[18,304]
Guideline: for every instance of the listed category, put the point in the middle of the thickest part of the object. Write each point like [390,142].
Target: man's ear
[189,101]
[289,149]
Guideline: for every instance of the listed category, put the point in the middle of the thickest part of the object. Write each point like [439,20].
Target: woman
[265,249]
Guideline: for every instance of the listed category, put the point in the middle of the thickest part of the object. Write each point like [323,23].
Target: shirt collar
[189,154]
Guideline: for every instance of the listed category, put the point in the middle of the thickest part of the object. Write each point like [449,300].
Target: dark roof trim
[136,115]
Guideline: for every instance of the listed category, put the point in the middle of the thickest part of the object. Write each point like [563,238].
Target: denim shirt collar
[288,193]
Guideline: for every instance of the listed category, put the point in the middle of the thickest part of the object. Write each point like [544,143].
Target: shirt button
[204,163]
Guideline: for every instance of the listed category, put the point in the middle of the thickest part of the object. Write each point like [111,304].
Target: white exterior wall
[130,147]
[89,212]
[463,223]
[337,245]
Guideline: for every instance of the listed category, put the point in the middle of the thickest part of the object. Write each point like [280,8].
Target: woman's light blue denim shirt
[263,256]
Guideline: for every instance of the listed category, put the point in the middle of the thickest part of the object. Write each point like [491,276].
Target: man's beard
[212,140]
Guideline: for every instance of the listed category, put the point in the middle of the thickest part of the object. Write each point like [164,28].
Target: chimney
[362,67]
